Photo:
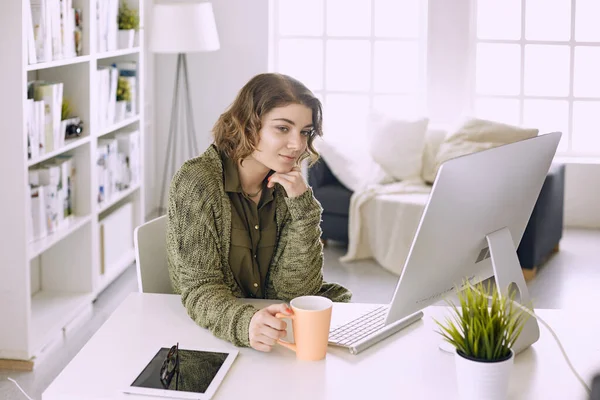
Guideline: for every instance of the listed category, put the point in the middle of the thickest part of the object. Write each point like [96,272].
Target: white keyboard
[368,329]
[359,328]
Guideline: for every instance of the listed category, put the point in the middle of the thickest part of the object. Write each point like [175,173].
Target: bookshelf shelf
[70,145]
[39,246]
[58,63]
[115,270]
[102,207]
[48,285]
[51,311]
[119,125]
[117,53]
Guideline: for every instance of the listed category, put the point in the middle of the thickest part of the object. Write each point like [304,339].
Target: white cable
[564,353]
[22,391]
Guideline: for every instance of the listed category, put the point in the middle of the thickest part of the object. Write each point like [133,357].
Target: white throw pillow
[350,163]
[478,134]
[397,145]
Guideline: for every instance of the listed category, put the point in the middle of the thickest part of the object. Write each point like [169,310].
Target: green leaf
[480,327]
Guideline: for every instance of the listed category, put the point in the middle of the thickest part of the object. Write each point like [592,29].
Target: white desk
[407,365]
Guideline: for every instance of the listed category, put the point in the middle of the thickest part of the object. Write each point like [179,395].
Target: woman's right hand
[265,329]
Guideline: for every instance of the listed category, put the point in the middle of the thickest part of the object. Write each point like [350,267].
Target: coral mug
[311,321]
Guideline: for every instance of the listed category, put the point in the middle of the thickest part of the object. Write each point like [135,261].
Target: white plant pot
[126,38]
[120,110]
[480,380]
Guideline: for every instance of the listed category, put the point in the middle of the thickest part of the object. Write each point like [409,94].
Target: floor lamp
[181,28]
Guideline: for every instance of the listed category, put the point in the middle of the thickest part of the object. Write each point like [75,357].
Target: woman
[241,220]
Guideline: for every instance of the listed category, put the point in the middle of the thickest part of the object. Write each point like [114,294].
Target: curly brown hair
[236,132]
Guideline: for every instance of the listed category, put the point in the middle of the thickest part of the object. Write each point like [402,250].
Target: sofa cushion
[433,139]
[334,199]
[351,163]
[397,145]
[476,135]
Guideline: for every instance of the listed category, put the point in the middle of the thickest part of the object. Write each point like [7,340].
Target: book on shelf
[35,125]
[118,164]
[52,193]
[54,29]
[128,71]
[107,12]
[49,137]
[129,150]
[108,81]
[107,93]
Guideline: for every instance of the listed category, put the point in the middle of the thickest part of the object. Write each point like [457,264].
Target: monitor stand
[507,271]
[508,274]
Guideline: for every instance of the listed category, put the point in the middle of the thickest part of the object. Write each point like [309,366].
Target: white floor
[569,279]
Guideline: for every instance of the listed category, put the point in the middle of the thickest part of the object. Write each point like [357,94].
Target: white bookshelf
[47,286]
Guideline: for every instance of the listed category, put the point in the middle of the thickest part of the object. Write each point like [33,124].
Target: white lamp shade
[183,28]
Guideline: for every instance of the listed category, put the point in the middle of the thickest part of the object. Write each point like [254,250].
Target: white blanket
[383,220]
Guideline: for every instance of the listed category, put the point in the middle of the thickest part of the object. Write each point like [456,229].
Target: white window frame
[448,55]
[521,97]
[420,95]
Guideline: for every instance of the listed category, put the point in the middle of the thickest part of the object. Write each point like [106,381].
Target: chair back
[151,257]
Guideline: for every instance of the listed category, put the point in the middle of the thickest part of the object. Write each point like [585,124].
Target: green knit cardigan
[198,242]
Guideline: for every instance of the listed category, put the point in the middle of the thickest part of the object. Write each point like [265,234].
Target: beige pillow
[476,135]
[397,145]
[433,139]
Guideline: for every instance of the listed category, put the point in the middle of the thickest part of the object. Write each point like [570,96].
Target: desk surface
[408,364]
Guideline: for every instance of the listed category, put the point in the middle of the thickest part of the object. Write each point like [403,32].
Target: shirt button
[256,285]
[255,256]
[256,227]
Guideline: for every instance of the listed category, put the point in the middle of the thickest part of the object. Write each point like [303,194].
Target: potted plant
[123,96]
[483,331]
[129,23]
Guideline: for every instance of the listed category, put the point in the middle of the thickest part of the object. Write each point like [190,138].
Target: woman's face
[283,137]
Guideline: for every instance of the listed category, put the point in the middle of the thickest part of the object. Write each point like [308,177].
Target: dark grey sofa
[540,239]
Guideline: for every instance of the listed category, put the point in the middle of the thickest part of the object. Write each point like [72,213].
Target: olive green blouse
[253,232]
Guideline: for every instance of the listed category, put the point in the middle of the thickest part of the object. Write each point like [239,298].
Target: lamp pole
[182,125]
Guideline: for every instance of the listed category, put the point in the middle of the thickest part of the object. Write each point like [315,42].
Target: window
[537,63]
[355,56]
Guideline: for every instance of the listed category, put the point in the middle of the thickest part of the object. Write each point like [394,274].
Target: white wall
[582,196]
[215,78]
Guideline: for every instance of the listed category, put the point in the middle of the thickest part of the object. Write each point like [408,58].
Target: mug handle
[291,346]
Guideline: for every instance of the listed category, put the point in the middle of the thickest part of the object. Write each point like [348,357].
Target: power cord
[20,388]
[564,353]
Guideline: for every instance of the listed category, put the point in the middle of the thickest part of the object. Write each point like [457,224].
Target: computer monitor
[472,225]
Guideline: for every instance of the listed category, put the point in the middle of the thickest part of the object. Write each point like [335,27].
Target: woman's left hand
[293,182]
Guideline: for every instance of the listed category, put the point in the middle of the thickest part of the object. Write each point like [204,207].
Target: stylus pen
[385,332]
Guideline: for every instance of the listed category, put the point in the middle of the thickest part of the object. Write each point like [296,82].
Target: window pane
[396,67]
[586,127]
[587,68]
[397,18]
[501,110]
[548,116]
[348,65]
[346,18]
[303,60]
[587,28]
[547,70]
[498,69]
[301,17]
[344,118]
[397,106]
[499,19]
[548,20]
